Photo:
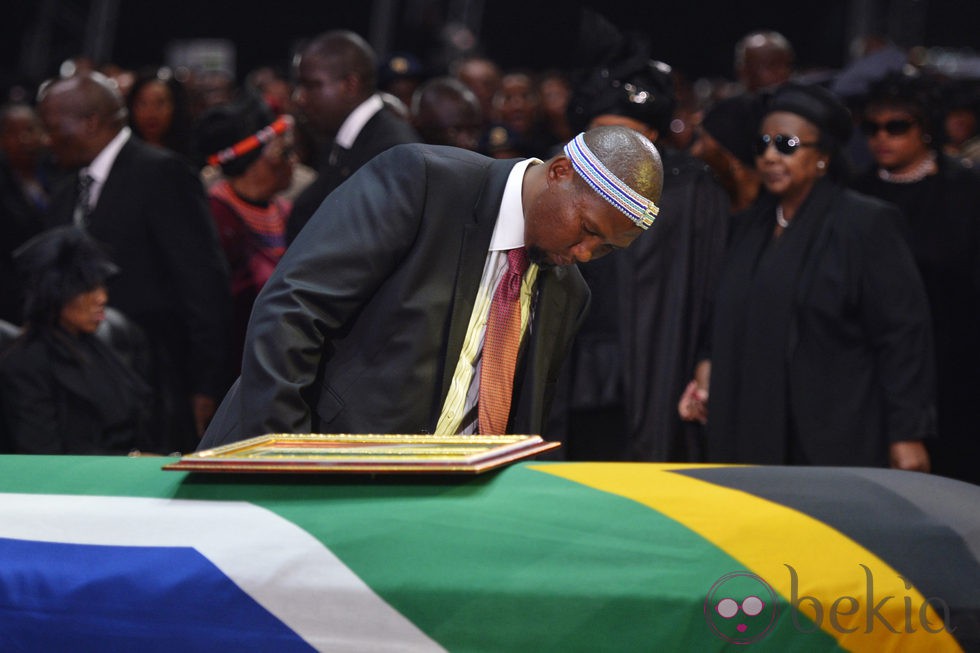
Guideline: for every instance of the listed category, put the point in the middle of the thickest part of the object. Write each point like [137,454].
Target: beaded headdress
[613,189]
[249,143]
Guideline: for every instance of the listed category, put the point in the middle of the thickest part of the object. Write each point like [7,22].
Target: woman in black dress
[940,199]
[820,349]
[62,390]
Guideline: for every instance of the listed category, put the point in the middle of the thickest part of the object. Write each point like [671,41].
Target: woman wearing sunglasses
[820,347]
[941,200]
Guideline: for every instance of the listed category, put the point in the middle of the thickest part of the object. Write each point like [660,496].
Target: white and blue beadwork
[636,207]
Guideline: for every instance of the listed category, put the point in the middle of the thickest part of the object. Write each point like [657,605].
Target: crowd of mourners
[809,294]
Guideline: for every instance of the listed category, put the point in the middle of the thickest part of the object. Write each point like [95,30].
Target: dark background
[695,36]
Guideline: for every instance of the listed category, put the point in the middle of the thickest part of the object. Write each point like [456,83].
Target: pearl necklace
[921,170]
[780,220]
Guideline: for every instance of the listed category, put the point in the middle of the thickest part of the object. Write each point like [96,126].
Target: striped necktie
[500,345]
[83,203]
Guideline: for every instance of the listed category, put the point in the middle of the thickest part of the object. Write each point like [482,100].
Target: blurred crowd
[157,202]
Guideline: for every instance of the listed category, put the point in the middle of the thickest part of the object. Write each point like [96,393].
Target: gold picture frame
[360,454]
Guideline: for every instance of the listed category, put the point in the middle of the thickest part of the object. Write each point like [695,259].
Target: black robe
[821,346]
[635,352]
[943,231]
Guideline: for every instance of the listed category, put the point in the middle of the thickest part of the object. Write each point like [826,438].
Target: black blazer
[360,327]
[153,216]
[384,130]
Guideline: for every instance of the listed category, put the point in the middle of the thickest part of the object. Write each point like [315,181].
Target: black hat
[641,89]
[734,123]
[56,266]
[819,106]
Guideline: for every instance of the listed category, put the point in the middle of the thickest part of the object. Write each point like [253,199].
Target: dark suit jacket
[360,327]
[382,131]
[153,216]
[851,364]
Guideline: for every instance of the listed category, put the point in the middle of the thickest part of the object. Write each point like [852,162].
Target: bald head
[345,53]
[763,59]
[566,220]
[630,156]
[335,73]
[81,115]
[482,76]
[446,112]
[88,94]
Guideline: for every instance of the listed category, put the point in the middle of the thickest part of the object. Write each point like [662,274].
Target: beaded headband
[636,207]
[249,143]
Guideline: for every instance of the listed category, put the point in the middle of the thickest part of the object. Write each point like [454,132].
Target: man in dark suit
[337,95]
[374,319]
[149,208]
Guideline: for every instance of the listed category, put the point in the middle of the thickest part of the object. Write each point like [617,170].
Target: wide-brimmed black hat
[641,89]
[56,266]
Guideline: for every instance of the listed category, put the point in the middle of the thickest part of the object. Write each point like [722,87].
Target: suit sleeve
[897,320]
[184,229]
[350,246]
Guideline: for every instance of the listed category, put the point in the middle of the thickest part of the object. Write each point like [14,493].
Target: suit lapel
[550,311]
[115,185]
[539,358]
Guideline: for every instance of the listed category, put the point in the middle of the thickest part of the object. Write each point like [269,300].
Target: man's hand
[204,408]
[909,455]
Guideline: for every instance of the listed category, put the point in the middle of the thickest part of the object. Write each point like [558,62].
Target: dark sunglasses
[891,127]
[784,144]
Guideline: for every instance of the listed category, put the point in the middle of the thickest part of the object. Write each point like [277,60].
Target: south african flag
[113,554]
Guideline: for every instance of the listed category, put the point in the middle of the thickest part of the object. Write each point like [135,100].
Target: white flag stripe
[284,568]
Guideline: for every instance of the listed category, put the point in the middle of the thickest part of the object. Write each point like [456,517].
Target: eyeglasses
[784,143]
[891,127]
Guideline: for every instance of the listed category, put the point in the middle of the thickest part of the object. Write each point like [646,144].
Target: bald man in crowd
[149,208]
[763,60]
[482,76]
[446,112]
[436,291]
[337,95]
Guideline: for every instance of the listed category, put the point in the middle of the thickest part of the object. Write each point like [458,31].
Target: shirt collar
[102,164]
[355,122]
[509,230]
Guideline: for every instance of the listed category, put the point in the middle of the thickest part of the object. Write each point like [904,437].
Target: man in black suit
[374,319]
[149,208]
[337,95]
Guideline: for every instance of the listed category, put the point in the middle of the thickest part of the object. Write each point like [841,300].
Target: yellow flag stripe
[860,600]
